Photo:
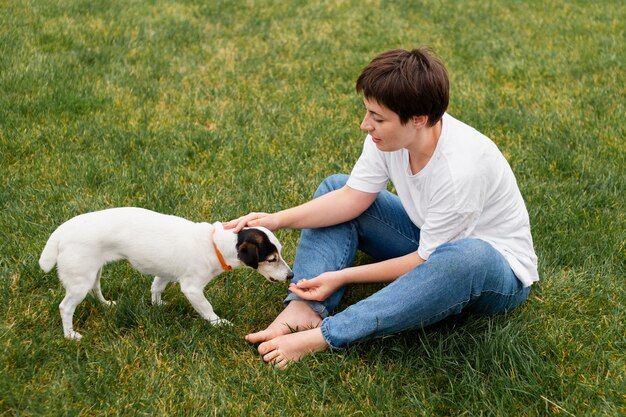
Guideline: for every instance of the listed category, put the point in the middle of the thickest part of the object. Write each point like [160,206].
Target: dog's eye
[272,260]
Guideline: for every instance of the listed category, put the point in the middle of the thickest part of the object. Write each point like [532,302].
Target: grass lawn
[211,109]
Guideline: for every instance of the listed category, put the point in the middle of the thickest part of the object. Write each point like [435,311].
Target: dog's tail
[48,257]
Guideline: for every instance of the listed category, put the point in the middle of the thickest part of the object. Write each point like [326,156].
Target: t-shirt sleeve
[370,173]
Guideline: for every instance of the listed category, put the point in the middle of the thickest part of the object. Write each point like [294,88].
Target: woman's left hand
[318,288]
[269,221]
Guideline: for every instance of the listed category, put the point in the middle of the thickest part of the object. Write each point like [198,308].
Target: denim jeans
[466,275]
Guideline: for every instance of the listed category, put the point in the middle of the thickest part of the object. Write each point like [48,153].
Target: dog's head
[258,248]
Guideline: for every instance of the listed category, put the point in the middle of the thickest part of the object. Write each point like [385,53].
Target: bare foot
[282,350]
[296,316]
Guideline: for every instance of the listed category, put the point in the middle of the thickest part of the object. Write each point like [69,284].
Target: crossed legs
[466,275]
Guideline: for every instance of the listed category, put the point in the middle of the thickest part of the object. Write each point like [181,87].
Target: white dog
[170,248]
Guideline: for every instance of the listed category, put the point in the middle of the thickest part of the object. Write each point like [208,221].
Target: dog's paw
[73,335]
[221,322]
[111,303]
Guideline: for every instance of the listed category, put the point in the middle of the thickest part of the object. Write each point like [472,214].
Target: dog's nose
[290,275]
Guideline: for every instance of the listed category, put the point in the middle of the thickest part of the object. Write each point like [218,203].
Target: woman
[456,237]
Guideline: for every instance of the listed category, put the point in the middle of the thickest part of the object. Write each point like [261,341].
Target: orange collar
[225,266]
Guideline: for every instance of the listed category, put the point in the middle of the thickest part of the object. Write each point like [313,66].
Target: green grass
[211,109]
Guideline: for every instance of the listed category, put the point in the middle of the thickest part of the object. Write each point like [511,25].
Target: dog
[171,248]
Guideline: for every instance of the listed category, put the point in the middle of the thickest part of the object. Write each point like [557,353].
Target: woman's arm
[384,271]
[322,286]
[336,207]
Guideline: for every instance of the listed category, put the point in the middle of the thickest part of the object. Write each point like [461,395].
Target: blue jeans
[466,275]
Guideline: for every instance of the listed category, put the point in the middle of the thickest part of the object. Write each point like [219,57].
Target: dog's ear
[248,253]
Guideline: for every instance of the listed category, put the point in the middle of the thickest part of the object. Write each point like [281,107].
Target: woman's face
[385,128]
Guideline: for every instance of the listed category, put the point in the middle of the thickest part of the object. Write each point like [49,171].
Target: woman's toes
[266,347]
[281,363]
[272,356]
[257,337]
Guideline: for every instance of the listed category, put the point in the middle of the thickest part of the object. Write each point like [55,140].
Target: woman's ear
[419,121]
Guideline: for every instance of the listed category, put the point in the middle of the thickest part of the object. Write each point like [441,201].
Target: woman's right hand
[267,220]
[318,288]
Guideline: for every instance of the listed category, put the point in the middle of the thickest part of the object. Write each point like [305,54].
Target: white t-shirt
[467,190]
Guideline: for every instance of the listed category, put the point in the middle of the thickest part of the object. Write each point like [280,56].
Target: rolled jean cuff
[314,305]
[326,334]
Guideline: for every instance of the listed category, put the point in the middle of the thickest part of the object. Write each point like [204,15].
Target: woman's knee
[331,183]
[467,253]
[477,262]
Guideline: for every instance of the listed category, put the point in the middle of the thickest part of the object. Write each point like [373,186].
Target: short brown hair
[409,83]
